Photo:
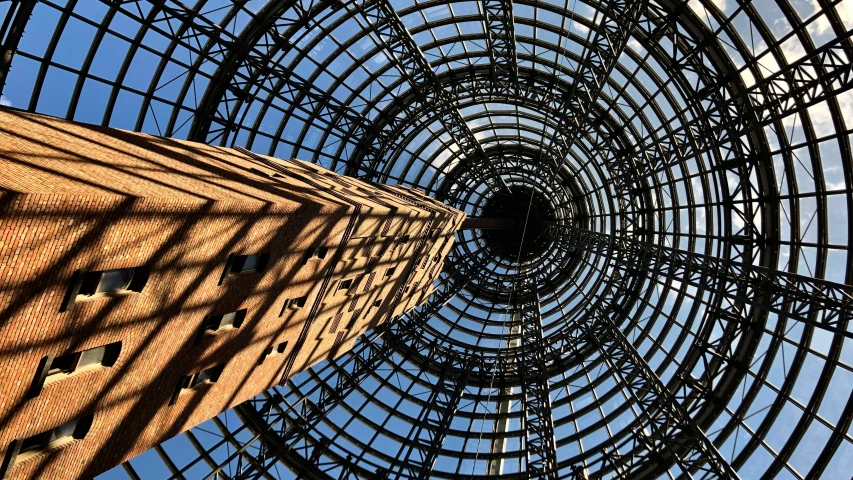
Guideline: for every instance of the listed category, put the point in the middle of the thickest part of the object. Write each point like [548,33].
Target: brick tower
[148,284]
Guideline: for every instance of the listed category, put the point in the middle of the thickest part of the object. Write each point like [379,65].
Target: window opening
[204,377]
[345,284]
[293,304]
[22,449]
[226,320]
[52,368]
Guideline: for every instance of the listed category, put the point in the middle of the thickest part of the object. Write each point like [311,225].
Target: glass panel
[204,376]
[63,364]
[249,263]
[228,319]
[112,280]
[90,283]
[92,357]
[32,443]
[63,431]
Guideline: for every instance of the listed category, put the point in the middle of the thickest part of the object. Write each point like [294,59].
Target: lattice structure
[687,311]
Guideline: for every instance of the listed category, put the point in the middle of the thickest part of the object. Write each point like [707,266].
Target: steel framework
[687,312]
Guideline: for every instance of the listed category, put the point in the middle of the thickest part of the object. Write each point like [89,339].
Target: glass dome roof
[720,128]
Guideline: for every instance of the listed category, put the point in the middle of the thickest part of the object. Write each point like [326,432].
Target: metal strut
[668,433]
[672,434]
[816,302]
[500,30]
[253,70]
[620,18]
[540,444]
[430,429]
[405,54]
[822,74]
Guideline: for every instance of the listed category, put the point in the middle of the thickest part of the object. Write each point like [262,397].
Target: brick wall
[78,197]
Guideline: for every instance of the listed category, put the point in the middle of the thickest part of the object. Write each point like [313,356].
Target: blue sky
[68,68]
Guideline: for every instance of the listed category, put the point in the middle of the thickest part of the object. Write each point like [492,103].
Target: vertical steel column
[428,434]
[500,28]
[540,444]
[498,445]
[672,436]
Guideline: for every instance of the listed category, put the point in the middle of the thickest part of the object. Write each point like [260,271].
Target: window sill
[99,296]
[59,377]
[26,457]
[220,331]
[200,388]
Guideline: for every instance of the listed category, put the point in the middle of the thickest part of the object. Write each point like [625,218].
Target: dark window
[345,284]
[405,239]
[390,271]
[53,368]
[273,351]
[293,304]
[86,284]
[316,253]
[105,355]
[255,262]
[106,281]
[210,375]
[377,303]
[225,320]
[75,429]
[63,364]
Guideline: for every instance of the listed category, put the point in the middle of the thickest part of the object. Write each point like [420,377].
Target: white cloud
[822,25]
[699,8]
[4,101]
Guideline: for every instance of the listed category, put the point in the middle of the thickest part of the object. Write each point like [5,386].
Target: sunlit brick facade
[209,274]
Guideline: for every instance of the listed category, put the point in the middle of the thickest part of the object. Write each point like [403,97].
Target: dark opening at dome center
[531,212]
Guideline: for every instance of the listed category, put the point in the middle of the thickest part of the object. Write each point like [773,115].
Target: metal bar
[540,444]
[250,66]
[498,445]
[500,30]
[822,74]
[404,52]
[11,32]
[620,18]
[816,302]
[672,434]
[429,431]
[481,223]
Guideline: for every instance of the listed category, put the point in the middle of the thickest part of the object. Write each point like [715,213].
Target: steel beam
[429,431]
[611,36]
[816,302]
[498,444]
[11,32]
[539,444]
[500,30]
[410,61]
[480,223]
[818,76]
[669,432]
[253,68]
